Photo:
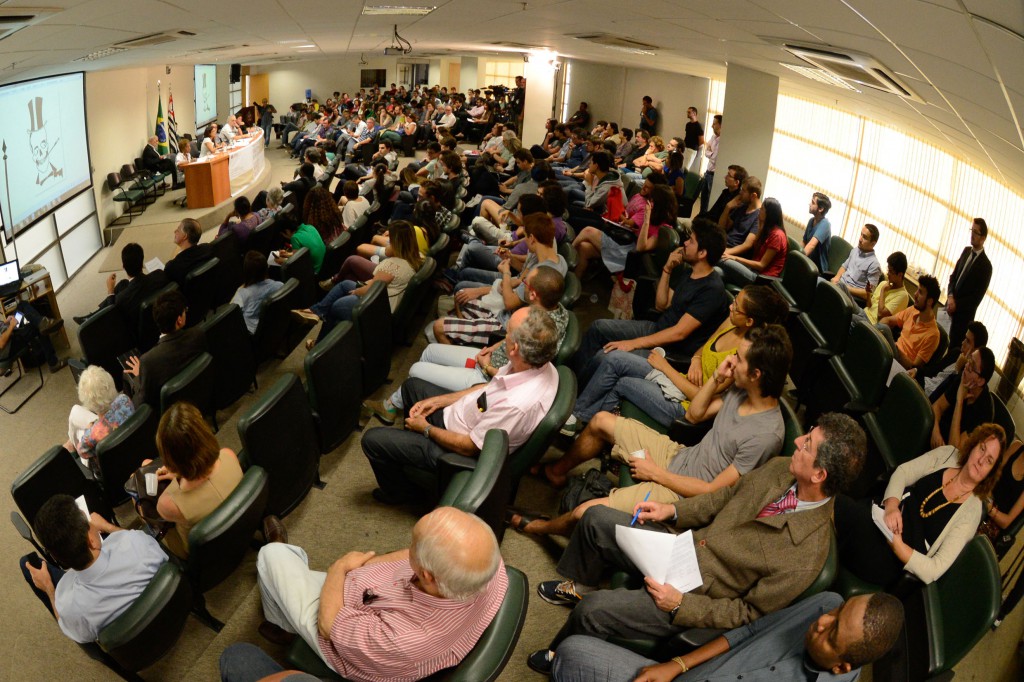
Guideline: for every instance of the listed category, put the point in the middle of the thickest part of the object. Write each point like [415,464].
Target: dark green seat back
[799,281]
[838,251]
[262,238]
[830,317]
[227,248]
[150,627]
[103,337]
[334,385]
[234,362]
[217,544]
[793,429]
[300,266]
[147,334]
[439,246]
[275,319]
[200,289]
[864,366]
[193,384]
[573,289]
[52,474]
[901,428]
[340,248]
[571,341]
[372,320]
[403,328]
[486,489]
[278,434]
[1003,418]
[122,452]
[566,251]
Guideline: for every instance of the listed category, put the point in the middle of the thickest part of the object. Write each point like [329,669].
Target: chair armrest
[695,637]
[687,433]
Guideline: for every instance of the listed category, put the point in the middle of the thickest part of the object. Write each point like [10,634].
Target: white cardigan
[961,527]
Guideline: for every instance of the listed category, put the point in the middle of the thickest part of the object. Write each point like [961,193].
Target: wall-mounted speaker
[236,73]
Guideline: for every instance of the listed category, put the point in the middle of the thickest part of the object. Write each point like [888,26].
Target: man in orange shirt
[919,338]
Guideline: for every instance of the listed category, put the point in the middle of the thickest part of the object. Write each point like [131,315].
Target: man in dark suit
[128,294]
[176,348]
[155,162]
[759,543]
[967,287]
[190,252]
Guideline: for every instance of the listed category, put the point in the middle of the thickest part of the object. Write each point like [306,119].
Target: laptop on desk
[10,278]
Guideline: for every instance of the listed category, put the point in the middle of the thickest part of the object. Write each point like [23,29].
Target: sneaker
[541,661]
[571,427]
[380,409]
[559,592]
[326,284]
[474,201]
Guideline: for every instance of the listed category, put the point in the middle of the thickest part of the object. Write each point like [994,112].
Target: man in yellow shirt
[890,296]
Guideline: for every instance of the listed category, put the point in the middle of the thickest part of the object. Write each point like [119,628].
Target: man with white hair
[399,616]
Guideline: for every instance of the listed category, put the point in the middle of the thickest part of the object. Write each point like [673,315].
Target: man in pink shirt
[393,618]
[516,400]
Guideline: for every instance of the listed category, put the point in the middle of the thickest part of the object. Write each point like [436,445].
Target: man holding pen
[742,395]
[759,544]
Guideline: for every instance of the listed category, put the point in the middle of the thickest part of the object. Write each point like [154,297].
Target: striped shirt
[390,631]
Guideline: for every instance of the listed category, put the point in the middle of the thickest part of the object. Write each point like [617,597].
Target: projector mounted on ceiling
[399,45]
[851,67]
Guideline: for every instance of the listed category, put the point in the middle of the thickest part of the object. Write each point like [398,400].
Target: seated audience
[819,231]
[749,569]
[101,409]
[33,332]
[201,473]
[742,395]
[734,178]
[322,212]
[300,236]
[654,386]
[740,218]
[919,333]
[965,403]
[933,505]
[659,213]
[808,640]
[256,286]
[176,348]
[975,337]
[890,296]
[767,255]
[128,294]
[100,578]
[353,205]
[398,616]
[190,253]
[242,220]
[156,162]
[395,271]
[273,200]
[516,400]
[693,308]
[861,271]
[300,185]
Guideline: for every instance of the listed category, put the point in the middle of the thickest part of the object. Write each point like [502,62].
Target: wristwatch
[426,431]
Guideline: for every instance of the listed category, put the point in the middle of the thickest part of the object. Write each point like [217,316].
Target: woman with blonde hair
[395,271]
[201,473]
[101,409]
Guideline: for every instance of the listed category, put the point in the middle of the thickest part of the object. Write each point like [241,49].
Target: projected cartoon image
[48,164]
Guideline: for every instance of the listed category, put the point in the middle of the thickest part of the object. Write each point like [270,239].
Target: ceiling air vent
[618,42]
[155,39]
[855,69]
[13,19]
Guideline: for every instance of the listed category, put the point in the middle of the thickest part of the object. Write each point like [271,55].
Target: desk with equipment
[31,283]
[214,179]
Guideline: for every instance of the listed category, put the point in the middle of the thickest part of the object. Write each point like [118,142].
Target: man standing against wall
[648,116]
[967,286]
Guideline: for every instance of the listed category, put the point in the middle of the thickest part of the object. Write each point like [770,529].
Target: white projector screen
[46,162]
[206,95]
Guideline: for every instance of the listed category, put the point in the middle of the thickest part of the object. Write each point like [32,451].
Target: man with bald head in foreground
[399,616]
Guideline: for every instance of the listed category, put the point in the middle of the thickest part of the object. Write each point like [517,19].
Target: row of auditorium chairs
[136,188]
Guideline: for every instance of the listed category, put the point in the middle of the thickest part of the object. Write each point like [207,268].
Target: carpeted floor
[330,522]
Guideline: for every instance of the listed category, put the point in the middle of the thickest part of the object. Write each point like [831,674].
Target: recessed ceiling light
[408,10]
[819,75]
[300,47]
[630,50]
[100,54]
[286,42]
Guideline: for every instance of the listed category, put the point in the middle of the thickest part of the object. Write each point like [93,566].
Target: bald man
[403,615]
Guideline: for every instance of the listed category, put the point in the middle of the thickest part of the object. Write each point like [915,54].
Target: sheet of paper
[878,516]
[80,501]
[664,557]
[154,264]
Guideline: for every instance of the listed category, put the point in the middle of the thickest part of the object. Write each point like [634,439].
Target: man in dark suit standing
[128,294]
[176,348]
[155,162]
[967,286]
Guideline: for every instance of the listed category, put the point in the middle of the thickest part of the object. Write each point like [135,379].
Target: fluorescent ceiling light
[631,50]
[286,42]
[408,10]
[100,54]
[819,75]
[301,47]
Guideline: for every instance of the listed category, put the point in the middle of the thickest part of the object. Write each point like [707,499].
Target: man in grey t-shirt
[743,394]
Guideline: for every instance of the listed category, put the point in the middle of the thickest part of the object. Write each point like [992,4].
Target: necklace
[925,515]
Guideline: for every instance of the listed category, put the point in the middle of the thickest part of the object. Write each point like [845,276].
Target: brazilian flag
[161,135]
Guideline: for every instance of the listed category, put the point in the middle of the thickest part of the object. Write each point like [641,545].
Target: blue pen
[637,514]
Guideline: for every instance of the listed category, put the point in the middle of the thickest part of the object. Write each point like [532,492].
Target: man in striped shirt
[400,616]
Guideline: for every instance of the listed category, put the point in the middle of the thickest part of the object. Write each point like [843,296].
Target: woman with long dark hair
[768,252]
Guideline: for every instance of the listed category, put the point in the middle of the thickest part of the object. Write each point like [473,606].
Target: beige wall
[120,125]
[614,93]
[289,81]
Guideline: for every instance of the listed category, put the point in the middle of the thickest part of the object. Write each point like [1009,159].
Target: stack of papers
[664,557]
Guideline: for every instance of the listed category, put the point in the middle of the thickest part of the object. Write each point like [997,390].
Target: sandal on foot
[525,518]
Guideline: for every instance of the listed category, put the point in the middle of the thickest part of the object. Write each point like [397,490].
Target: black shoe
[274,530]
[541,660]
[80,319]
[387,498]
[48,326]
[58,366]
[275,634]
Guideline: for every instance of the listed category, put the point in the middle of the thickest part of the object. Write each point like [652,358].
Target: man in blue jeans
[693,308]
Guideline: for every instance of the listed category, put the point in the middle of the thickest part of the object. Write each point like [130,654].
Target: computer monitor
[10,278]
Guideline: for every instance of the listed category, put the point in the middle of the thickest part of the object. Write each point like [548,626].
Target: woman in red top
[768,252]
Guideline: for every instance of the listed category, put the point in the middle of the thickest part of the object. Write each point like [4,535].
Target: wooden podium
[207,182]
